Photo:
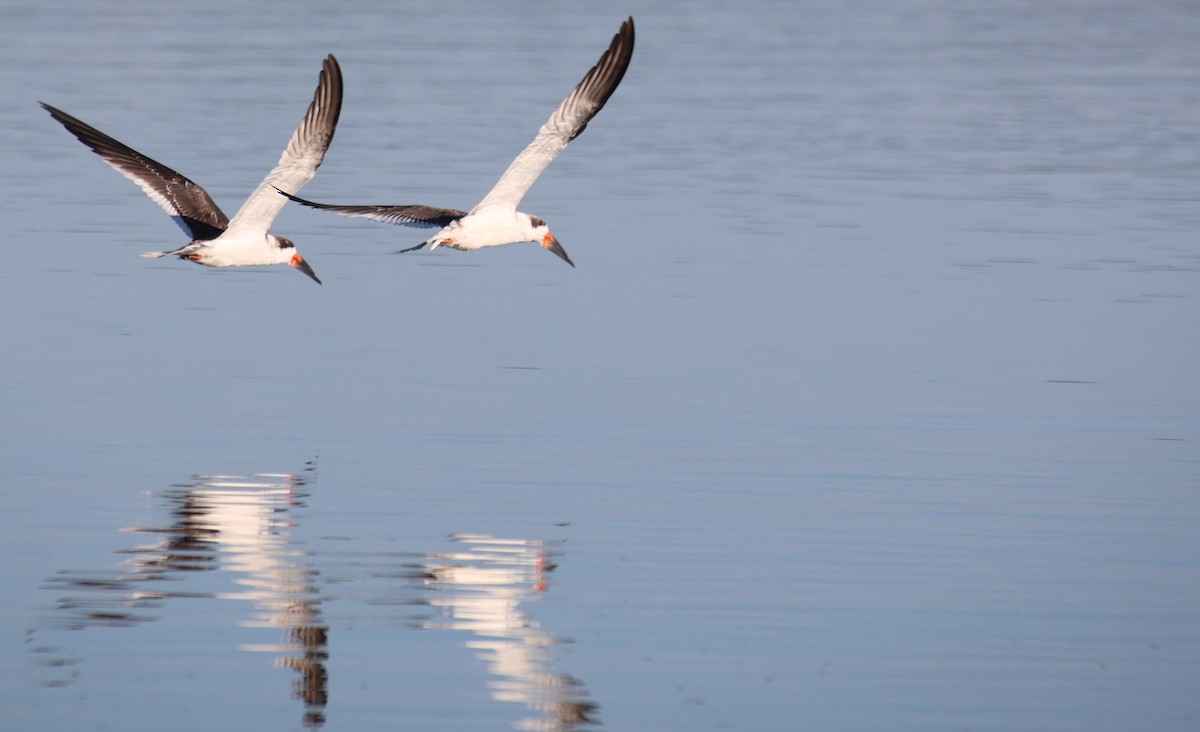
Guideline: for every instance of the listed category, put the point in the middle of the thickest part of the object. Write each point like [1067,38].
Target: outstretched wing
[188,204]
[426,217]
[567,122]
[303,155]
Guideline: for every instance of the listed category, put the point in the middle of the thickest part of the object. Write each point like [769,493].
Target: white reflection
[482,589]
[219,523]
[248,520]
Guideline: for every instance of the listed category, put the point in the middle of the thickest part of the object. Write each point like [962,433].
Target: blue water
[871,405]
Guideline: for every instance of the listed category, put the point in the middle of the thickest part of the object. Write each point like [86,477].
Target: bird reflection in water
[481,589]
[238,525]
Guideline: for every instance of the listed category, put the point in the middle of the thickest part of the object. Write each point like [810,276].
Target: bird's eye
[536,221]
[286,243]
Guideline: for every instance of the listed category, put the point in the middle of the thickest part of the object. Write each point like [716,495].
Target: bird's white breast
[246,249]
[489,227]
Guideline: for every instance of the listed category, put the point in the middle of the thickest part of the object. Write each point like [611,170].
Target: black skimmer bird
[217,241]
[495,220]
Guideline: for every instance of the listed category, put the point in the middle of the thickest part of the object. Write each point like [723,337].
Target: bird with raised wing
[495,220]
[217,241]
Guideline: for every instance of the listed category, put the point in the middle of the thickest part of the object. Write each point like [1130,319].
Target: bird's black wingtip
[290,197]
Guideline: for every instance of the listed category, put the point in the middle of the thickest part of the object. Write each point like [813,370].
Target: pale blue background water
[872,405]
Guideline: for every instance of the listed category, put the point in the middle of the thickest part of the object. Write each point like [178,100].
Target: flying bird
[495,220]
[217,241]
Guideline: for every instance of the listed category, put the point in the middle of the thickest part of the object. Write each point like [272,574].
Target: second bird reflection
[481,589]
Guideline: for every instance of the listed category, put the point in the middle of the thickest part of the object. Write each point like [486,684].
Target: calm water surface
[872,404]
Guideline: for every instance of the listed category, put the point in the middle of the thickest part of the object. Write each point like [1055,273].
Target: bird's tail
[154,255]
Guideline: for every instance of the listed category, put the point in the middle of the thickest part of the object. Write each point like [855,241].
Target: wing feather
[567,122]
[303,155]
[188,204]
[404,215]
